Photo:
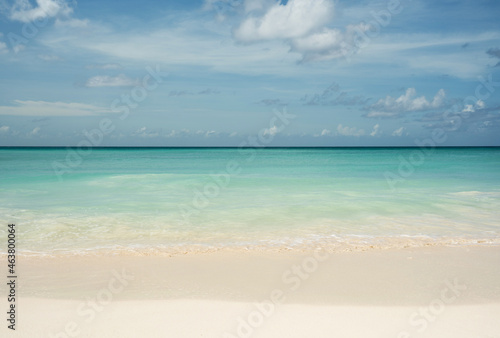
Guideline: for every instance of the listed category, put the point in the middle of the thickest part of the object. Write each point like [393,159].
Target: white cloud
[43,108]
[4,129]
[173,133]
[438,100]
[346,131]
[325,132]
[183,36]
[398,132]
[177,133]
[219,52]
[294,20]
[143,132]
[302,23]
[34,132]
[187,132]
[110,81]
[320,41]
[24,11]
[329,43]
[270,131]
[471,108]
[376,130]
[394,107]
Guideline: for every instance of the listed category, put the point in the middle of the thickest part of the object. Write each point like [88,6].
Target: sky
[249,72]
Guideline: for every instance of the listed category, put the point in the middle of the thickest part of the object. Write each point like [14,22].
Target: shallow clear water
[166,199]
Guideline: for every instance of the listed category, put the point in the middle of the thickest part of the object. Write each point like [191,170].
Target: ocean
[147,201]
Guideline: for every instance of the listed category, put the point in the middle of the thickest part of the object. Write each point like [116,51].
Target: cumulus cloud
[44,108]
[110,81]
[471,108]
[471,117]
[34,132]
[303,25]
[144,132]
[391,107]
[398,132]
[24,11]
[376,130]
[296,19]
[270,131]
[325,132]
[330,43]
[347,131]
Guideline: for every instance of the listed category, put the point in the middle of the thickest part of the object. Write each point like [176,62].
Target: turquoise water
[167,199]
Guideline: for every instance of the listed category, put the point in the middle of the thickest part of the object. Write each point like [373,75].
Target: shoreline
[337,245]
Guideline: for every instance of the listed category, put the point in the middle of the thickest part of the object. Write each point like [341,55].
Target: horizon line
[244,147]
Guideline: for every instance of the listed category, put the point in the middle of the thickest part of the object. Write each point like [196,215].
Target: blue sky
[216,73]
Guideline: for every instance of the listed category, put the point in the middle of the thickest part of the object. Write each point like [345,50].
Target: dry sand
[421,292]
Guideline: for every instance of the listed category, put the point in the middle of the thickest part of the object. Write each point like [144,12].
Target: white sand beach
[413,292]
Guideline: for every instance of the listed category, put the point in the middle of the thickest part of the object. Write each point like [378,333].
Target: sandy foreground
[420,292]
